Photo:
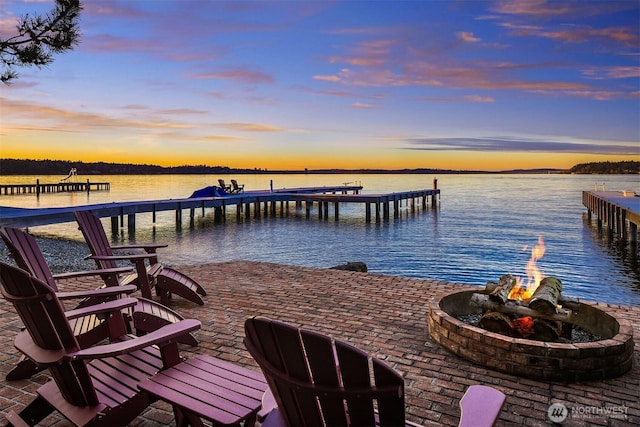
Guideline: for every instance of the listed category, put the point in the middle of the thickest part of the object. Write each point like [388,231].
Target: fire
[522,290]
[524,326]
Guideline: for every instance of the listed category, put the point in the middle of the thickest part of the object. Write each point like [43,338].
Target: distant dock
[247,204]
[59,187]
[616,209]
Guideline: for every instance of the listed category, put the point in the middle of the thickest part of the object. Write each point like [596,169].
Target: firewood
[519,308]
[545,297]
[501,293]
[495,321]
[547,330]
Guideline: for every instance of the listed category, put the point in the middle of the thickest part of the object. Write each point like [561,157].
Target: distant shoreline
[62,167]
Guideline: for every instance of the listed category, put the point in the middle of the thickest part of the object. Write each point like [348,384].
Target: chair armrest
[105,307]
[102,272]
[166,333]
[131,257]
[40,356]
[107,291]
[146,247]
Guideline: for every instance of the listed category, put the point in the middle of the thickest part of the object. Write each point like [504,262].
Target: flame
[522,290]
[524,326]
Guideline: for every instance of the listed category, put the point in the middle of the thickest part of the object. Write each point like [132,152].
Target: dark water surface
[477,232]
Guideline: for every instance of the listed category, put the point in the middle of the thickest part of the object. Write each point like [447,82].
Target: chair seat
[115,380]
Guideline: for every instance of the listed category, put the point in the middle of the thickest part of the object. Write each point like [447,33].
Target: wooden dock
[619,210]
[248,204]
[58,187]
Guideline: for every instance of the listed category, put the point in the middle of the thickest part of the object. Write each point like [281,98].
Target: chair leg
[23,370]
[33,413]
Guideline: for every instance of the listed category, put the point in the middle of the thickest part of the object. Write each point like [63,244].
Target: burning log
[568,302]
[547,330]
[495,321]
[501,292]
[545,297]
[519,308]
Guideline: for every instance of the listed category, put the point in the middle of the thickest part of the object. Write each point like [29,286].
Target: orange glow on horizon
[349,159]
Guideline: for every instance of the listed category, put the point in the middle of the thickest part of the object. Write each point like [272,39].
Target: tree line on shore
[62,167]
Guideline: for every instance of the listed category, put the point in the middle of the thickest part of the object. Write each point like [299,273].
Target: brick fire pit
[609,357]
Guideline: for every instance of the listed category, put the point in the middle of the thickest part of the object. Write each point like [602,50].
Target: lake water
[484,226]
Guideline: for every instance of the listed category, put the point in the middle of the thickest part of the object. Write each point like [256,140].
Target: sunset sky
[485,85]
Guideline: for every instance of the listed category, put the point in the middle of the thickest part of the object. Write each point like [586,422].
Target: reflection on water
[624,252]
[475,235]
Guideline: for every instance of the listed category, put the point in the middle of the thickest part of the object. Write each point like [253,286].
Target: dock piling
[618,210]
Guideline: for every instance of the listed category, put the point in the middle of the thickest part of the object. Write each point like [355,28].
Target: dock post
[367,212]
[131,222]
[335,210]
[224,211]
[37,187]
[433,195]
[114,225]
[179,216]
[88,186]
[385,209]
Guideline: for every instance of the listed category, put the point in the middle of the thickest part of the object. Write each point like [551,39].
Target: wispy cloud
[466,98]
[362,105]
[614,72]
[251,127]
[67,120]
[467,37]
[243,75]
[513,144]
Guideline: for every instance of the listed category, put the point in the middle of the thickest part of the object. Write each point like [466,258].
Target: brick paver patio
[383,315]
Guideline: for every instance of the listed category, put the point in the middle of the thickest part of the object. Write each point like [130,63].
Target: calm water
[477,233]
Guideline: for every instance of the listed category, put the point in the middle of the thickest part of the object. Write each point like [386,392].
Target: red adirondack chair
[147,315]
[316,381]
[92,386]
[166,281]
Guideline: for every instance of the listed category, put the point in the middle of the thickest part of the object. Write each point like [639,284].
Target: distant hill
[62,167]
[629,167]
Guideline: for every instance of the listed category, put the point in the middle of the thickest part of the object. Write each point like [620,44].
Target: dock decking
[58,187]
[616,209]
[250,203]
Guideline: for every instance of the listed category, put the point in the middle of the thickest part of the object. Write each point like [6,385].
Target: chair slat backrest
[26,253]
[318,381]
[45,321]
[97,240]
